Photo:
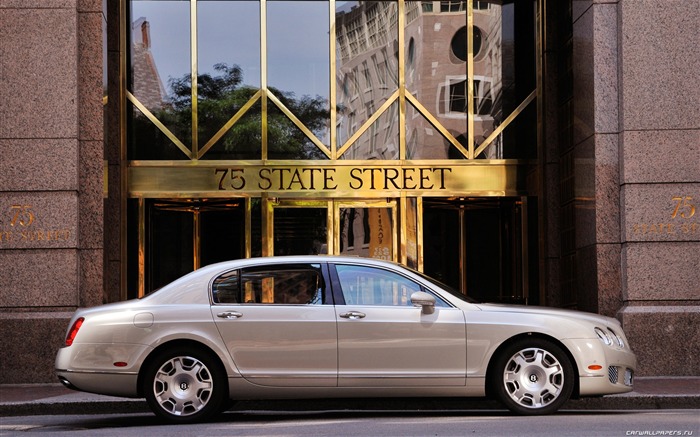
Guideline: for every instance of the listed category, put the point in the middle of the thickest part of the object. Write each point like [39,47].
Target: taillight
[74,331]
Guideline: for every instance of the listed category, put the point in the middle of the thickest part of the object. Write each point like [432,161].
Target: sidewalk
[51,399]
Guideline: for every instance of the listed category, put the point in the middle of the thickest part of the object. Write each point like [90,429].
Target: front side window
[282,285]
[364,285]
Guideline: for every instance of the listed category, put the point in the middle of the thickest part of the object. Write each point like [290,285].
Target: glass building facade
[399,130]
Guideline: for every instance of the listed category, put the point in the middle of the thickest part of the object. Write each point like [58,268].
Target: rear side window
[299,284]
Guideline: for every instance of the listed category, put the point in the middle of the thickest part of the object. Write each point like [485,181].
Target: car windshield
[445,287]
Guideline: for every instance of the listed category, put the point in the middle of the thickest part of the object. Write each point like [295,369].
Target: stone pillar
[51,177]
[659,69]
[596,166]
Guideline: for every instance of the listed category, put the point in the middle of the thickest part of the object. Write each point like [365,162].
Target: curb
[425,405]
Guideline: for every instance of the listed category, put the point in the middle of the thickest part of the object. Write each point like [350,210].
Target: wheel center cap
[533,378]
[184,386]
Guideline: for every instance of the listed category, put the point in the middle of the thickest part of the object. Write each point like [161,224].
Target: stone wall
[51,177]
[637,124]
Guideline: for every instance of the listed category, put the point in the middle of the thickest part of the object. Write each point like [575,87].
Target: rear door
[278,324]
[384,341]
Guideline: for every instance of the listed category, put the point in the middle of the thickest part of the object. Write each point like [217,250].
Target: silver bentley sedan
[327,326]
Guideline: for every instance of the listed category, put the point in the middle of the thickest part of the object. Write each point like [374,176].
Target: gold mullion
[436,124]
[403,217]
[402,82]
[470,80]
[395,232]
[263,75]
[506,122]
[225,128]
[368,123]
[248,227]
[159,124]
[196,234]
[193,59]
[419,232]
[330,224]
[141,248]
[331,73]
[310,135]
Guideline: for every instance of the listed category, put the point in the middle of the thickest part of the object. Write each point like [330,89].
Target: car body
[330,326]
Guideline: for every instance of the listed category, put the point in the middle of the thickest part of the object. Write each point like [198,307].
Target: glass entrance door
[177,236]
[367,229]
[298,227]
[479,246]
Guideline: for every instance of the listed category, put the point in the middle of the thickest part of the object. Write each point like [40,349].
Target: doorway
[479,246]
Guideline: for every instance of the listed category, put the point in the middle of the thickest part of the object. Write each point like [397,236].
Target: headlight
[604,336]
[617,338]
[609,337]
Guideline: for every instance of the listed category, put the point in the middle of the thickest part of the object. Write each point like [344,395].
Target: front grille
[613,374]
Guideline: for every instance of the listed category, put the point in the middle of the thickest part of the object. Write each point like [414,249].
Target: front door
[384,341]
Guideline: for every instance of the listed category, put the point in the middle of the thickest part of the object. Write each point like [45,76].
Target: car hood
[547,311]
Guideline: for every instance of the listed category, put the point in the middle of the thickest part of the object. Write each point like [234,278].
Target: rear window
[272,285]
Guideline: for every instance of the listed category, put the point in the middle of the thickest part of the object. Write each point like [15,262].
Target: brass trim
[419,232]
[333,179]
[332,72]
[142,248]
[263,76]
[159,124]
[194,72]
[403,228]
[470,81]
[402,79]
[248,250]
[196,232]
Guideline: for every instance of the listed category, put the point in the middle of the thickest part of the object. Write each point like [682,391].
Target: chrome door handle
[354,315]
[230,315]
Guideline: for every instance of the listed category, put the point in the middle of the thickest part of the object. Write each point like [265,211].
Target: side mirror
[423,300]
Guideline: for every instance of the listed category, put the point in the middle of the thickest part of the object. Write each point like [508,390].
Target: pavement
[679,392]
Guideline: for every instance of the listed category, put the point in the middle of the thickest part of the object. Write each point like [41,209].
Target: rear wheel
[533,376]
[185,386]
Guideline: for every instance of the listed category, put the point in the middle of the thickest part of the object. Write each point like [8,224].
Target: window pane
[504,75]
[298,66]
[436,74]
[229,76]
[366,76]
[291,285]
[363,285]
[367,232]
[160,78]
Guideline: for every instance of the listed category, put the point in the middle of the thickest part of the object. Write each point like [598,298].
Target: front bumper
[602,369]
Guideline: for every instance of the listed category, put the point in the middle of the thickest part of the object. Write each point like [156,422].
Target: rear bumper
[91,368]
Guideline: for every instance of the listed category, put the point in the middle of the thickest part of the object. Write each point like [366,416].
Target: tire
[533,376]
[184,385]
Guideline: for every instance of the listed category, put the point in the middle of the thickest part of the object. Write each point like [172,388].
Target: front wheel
[185,386]
[533,376]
